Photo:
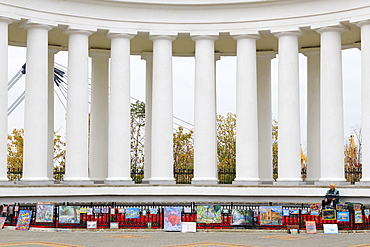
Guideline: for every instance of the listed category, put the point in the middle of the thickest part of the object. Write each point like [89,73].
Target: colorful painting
[187,210]
[45,212]
[121,210]
[294,211]
[310,227]
[91,224]
[132,213]
[105,210]
[24,220]
[271,215]
[90,211]
[343,216]
[358,216]
[209,214]
[314,209]
[69,214]
[367,212]
[97,210]
[339,207]
[153,211]
[2,221]
[5,209]
[83,210]
[242,217]
[114,225]
[328,214]
[357,206]
[286,212]
[172,219]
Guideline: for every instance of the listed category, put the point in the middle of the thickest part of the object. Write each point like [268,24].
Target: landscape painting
[271,215]
[209,214]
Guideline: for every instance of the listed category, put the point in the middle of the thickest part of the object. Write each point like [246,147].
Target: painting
[83,210]
[339,207]
[187,210]
[97,210]
[132,213]
[314,208]
[209,214]
[343,216]
[114,225]
[286,212]
[2,221]
[45,212]
[89,211]
[69,214]
[242,217]
[357,206]
[358,216]
[91,224]
[310,227]
[172,219]
[270,215]
[24,220]
[330,228]
[105,210]
[294,211]
[328,214]
[367,212]
[188,227]
[5,209]
[153,211]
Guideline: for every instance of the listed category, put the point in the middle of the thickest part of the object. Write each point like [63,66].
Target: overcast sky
[183,86]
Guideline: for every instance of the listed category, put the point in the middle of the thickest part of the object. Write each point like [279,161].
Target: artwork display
[271,215]
[132,213]
[24,220]
[153,211]
[314,209]
[113,225]
[187,210]
[97,210]
[367,212]
[286,212]
[91,224]
[105,210]
[45,212]
[357,207]
[83,210]
[121,210]
[242,217]
[112,211]
[188,227]
[330,228]
[343,216]
[358,216]
[339,207]
[90,211]
[172,219]
[310,227]
[329,214]
[304,211]
[294,211]
[2,221]
[5,209]
[69,214]
[209,214]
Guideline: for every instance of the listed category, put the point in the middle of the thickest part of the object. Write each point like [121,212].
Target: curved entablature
[220,17]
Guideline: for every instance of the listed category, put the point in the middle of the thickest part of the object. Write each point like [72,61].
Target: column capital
[6,20]
[338,28]
[78,31]
[162,37]
[245,36]
[28,26]
[202,37]
[113,35]
[266,54]
[288,33]
[310,51]
[363,23]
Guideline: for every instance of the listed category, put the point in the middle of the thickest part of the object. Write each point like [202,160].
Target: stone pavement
[157,238]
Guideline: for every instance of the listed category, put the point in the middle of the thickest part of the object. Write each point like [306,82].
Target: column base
[327,183]
[77,182]
[204,181]
[289,183]
[267,181]
[119,182]
[246,182]
[162,181]
[36,182]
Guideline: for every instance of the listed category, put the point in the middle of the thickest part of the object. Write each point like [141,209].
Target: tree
[183,155]
[275,148]
[15,154]
[353,156]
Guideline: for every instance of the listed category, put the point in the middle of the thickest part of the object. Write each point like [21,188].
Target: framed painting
[330,228]
[209,214]
[69,214]
[83,210]
[132,213]
[294,211]
[358,216]
[343,216]
[172,219]
[45,212]
[153,211]
[286,212]
[114,225]
[328,214]
[310,227]
[270,215]
[2,221]
[242,217]
[24,220]
[91,224]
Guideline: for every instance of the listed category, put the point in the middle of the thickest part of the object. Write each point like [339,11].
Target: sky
[183,88]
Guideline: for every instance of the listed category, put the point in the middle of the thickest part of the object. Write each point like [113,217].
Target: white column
[264,116]
[162,111]
[4,22]
[205,142]
[148,118]
[289,170]
[50,158]
[35,162]
[313,115]
[119,163]
[365,99]
[331,102]
[246,111]
[98,155]
[77,108]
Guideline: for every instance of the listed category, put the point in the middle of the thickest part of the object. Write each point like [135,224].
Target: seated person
[331,197]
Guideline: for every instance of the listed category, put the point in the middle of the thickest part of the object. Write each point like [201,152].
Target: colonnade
[107,157]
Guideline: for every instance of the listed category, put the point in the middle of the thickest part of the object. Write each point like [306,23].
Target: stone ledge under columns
[36,182]
[178,193]
[77,182]
[119,182]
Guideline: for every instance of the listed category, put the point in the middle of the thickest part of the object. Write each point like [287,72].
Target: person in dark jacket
[331,197]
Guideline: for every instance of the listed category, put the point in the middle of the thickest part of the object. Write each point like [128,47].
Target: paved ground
[10,237]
